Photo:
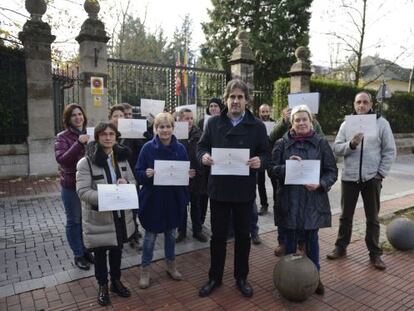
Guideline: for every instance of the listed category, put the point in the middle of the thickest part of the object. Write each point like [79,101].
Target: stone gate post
[93,62]
[37,38]
[300,72]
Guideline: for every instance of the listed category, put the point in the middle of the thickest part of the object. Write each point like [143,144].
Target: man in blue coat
[232,196]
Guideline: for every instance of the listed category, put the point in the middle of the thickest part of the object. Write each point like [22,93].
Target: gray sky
[389,31]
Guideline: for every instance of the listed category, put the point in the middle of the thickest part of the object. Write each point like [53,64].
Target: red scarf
[301,137]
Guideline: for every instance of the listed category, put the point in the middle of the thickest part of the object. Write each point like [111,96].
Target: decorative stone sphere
[296,277]
[92,7]
[243,36]
[36,8]
[302,53]
[400,234]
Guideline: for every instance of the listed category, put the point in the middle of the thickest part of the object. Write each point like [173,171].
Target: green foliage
[336,101]
[13,101]
[276,27]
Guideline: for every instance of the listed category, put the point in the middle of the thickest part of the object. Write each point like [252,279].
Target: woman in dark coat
[69,149]
[161,208]
[105,231]
[303,209]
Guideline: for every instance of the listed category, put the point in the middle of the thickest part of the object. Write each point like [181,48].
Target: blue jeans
[311,243]
[149,242]
[72,206]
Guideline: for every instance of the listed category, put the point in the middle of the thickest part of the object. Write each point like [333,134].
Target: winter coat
[68,151]
[251,134]
[197,183]
[103,229]
[161,208]
[298,208]
[374,155]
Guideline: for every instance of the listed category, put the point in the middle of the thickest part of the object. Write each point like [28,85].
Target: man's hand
[121,181]
[356,140]
[254,162]
[149,172]
[192,173]
[312,187]
[295,157]
[286,114]
[207,160]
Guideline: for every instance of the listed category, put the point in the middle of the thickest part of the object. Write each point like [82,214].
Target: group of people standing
[299,210]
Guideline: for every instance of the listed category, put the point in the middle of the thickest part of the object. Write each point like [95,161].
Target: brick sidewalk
[351,284]
[28,187]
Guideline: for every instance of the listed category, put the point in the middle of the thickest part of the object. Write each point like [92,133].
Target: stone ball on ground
[296,277]
[400,233]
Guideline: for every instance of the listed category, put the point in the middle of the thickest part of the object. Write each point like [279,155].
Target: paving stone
[7,290]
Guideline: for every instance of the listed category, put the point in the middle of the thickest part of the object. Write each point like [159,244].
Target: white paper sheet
[361,123]
[269,126]
[206,118]
[302,172]
[181,130]
[151,106]
[309,99]
[90,131]
[229,161]
[193,108]
[171,173]
[132,128]
[114,197]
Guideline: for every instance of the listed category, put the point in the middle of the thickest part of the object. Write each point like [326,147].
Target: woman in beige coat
[105,163]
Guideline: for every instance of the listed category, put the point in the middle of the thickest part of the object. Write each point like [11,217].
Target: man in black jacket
[236,127]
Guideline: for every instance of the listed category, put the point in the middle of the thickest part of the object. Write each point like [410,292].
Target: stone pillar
[37,38]
[93,62]
[242,61]
[300,72]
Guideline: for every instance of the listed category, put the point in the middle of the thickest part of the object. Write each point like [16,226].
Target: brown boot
[337,253]
[280,250]
[172,271]
[144,279]
[377,262]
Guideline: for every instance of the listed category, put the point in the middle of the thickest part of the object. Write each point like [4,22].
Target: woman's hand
[254,162]
[149,172]
[83,139]
[207,160]
[295,157]
[312,187]
[192,173]
[121,181]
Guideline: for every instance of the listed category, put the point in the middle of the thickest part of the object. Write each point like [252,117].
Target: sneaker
[320,290]
[256,239]
[82,263]
[181,236]
[337,253]
[377,262]
[200,236]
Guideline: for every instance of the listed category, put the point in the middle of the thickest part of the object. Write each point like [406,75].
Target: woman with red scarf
[303,209]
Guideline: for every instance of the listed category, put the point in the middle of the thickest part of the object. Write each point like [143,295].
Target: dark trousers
[261,185]
[195,213]
[203,207]
[311,243]
[101,269]
[220,218]
[370,191]
[254,219]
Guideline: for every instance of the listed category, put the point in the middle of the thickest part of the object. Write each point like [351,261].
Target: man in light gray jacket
[367,162]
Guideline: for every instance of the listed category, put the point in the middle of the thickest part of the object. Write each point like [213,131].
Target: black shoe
[245,288]
[208,288]
[103,295]
[89,257]
[118,288]
[320,290]
[82,263]
[200,237]
[263,210]
[181,236]
[256,239]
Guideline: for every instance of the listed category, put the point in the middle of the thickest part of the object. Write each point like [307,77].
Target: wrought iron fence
[66,90]
[129,81]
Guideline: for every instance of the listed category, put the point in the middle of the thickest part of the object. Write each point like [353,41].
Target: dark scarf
[77,131]
[301,138]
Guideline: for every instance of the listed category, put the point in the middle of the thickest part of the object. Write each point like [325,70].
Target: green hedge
[336,101]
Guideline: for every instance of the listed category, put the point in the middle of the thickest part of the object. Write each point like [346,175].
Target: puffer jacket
[103,229]
[68,151]
[374,155]
[297,207]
